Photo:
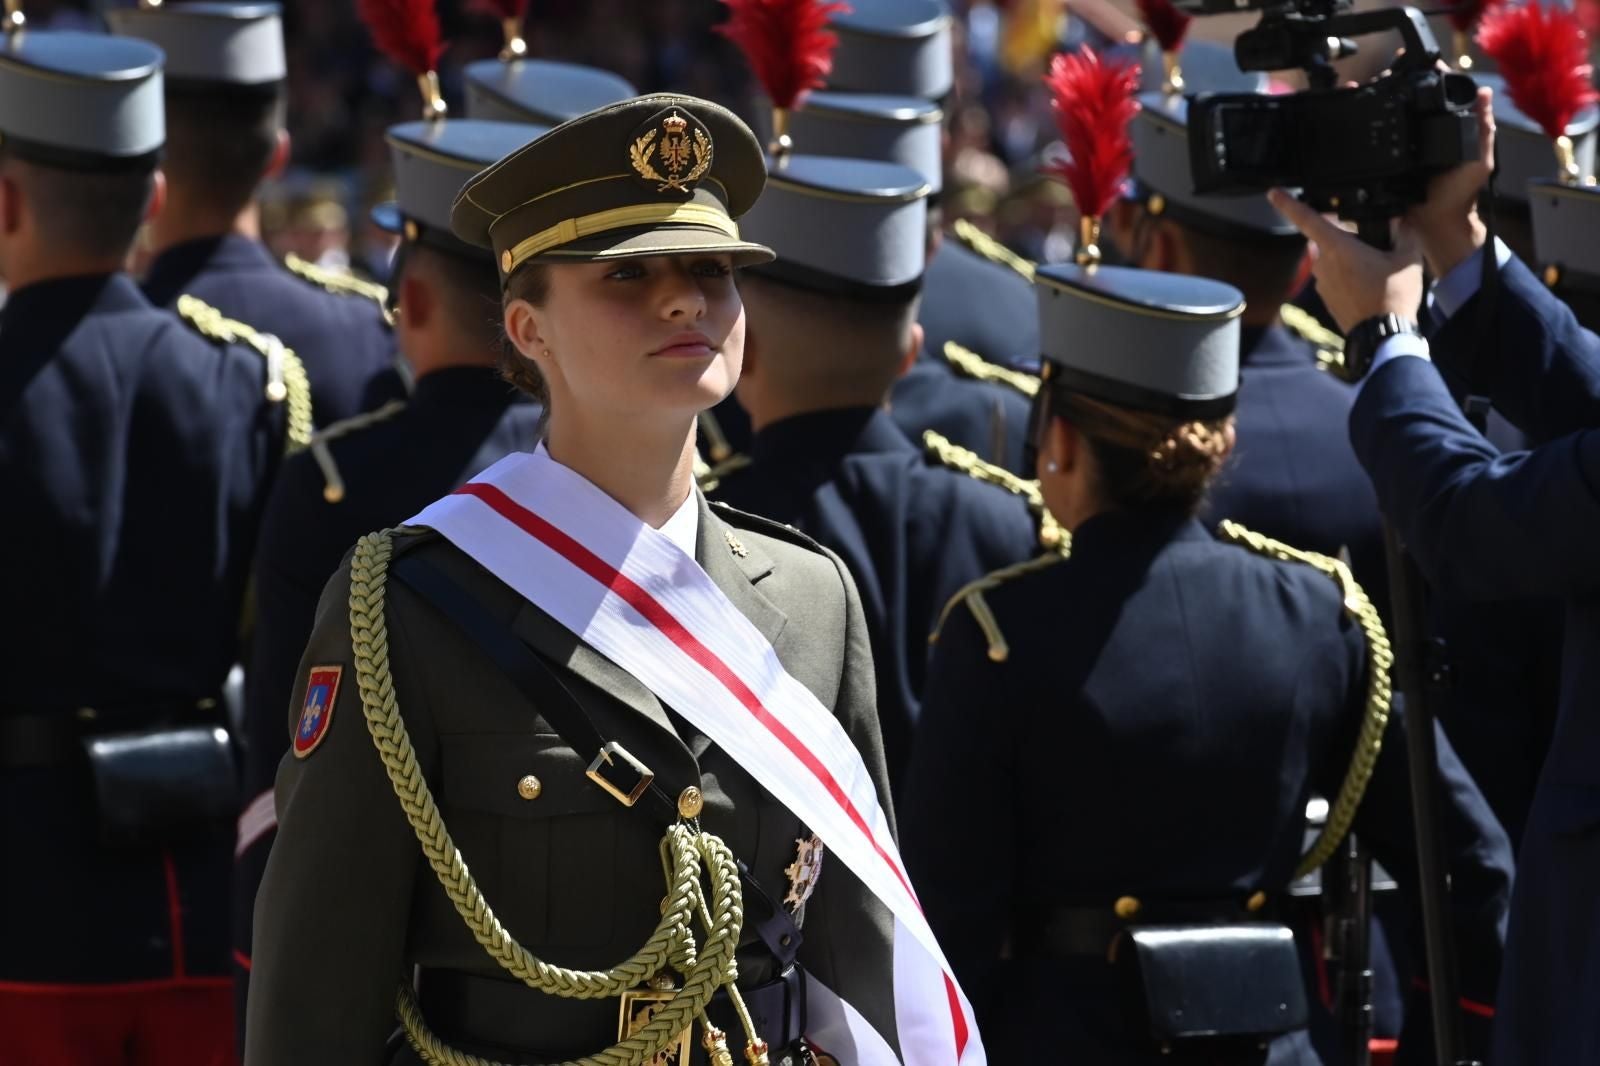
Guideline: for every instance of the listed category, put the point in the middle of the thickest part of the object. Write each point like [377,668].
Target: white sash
[637,598]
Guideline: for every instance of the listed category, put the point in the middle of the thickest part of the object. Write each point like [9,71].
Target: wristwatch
[1362,342]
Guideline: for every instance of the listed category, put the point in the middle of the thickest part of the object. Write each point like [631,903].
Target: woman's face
[638,337]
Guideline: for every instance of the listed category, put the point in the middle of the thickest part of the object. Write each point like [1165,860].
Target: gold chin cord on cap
[14,19]
[656,1012]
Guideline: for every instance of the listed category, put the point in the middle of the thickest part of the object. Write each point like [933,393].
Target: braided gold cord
[298,401]
[212,323]
[948,453]
[687,846]
[1380,697]
[975,366]
[991,249]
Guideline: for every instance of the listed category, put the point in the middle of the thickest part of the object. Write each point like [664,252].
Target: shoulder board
[339,283]
[981,243]
[971,596]
[710,475]
[754,522]
[970,364]
[286,375]
[1329,345]
[1380,657]
[333,484]
[962,460]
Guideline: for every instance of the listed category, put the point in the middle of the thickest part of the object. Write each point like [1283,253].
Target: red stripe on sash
[652,610]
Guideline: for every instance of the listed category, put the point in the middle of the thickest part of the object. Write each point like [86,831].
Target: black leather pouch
[158,785]
[1215,983]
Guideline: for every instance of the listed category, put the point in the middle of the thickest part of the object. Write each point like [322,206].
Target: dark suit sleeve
[1545,367]
[1476,851]
[959,830]
[334,906]
[1481,525]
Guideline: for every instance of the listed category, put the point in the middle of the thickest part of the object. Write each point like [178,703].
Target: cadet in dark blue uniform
[224,104]
[135,455]
[1485,525]
[832,324]
[1159,708]
[892,71]
[1293,475]
[377,469]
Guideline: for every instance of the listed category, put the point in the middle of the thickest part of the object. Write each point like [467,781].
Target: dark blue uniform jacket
[983,306]
[1486,525]
[1293,475]
[1168,706]
[135,457]
[910,533]
[347,348]
[985,417]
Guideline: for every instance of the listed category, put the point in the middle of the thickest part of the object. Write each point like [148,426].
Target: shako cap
[1145,339]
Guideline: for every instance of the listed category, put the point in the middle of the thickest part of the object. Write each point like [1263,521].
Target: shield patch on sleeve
[316,713]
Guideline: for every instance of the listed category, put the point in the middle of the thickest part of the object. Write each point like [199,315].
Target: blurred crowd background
[343,94]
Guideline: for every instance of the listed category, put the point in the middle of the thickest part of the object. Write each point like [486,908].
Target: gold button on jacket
[348,902]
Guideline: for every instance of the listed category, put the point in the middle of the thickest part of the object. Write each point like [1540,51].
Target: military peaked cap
[656,175]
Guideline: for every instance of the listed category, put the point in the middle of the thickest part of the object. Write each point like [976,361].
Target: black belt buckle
[619,773]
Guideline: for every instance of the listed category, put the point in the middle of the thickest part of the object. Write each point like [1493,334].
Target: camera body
[1364,152]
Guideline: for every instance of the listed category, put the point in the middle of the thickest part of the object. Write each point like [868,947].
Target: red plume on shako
[511,14]
[1094,101]
[1543,55]
[1169,27]
[789,47]
[407,31]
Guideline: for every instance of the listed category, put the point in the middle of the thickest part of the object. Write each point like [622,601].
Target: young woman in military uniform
[442,705]
[1157,711]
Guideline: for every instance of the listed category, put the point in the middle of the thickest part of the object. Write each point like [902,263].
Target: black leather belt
[487,1012]
[54,738]
[1075,932]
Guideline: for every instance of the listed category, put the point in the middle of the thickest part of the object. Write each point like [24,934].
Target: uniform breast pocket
[552,833]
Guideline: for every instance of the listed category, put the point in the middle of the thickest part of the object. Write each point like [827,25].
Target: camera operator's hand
[1447,222]
[1354,279]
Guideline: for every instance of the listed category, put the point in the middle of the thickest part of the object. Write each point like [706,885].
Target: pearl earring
[1051,467]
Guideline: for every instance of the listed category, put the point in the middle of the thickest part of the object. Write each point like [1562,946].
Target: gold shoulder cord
[685,849]
[971,595]
[1379,693]
[333,484]
[1329,345]
[339,284]
[286,374]
[991,249]
[1051,536]
[973,365]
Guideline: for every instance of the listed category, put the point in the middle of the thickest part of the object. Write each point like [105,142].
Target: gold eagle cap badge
[672,151]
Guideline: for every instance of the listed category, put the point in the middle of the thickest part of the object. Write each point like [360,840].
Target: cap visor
[640,244]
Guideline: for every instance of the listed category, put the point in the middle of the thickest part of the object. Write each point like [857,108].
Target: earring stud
[1051,467]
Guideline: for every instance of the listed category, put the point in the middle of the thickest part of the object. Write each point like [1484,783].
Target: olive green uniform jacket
[349,906]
